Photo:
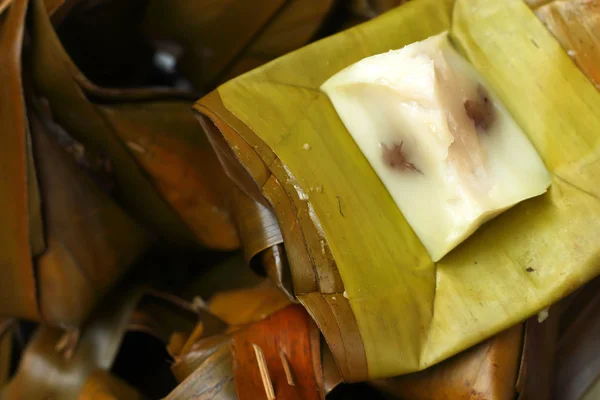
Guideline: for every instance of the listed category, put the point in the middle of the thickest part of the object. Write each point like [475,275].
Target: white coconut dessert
[445,148]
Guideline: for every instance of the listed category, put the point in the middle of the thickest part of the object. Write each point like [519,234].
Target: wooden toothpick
[264,372]
[286,368]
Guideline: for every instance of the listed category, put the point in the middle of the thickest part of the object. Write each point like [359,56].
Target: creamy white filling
[463,174]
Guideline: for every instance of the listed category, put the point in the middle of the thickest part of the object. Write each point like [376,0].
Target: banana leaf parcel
[383,306]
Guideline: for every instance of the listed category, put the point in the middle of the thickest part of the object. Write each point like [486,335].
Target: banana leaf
[576,25]
[6,350]
[243,306]
[161,315]
[44,372]
[233,273]
[487,371]
[577,373]
[536,372]
[294,25]
[384,307]
[82,243]
[212,51]
[256,223]
[197,354]
[280,354]
[143,131]
[211,379]
[102,385]
[17,280]
[372,8]
[91,242]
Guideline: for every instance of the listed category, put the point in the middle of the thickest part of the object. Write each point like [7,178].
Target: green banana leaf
[384,307]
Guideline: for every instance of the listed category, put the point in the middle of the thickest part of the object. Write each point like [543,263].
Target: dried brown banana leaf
[394,311]
[205,370]
[161,314]
[243,306]
[487,371]
[577,362]
[91,242]
[17,280]
[279,357]
[106,127]
[371,8]
[164,139]
[101,385]
[296,23]
[576,25]
[204,29]
[277,268]
[197,354]
[4,5]
[538,360]
[262,241]
[231,274]
[257,225]
[6,349]
[45,372]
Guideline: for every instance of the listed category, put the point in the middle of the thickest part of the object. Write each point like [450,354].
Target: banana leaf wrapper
[487,371]
[76,363]
[47,372]
[243,306]
[167,175]
[206,373]
[343,234]
[102,385]
[212,51]
[576,25]
[65,242]
[162,315]
[91,242]
[6,334]
[577,374]
[280,354]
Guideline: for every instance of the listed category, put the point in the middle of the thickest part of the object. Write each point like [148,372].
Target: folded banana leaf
[102,385]
[577,374]
[91,242]
[162,314]
[206,373]
[294,25]
[243,306]
[65,242]
[279,357]
[384,307]
[166,173]
[5,349]
[45,371]
[537,367]
[487,371]
[212,51]
[233,273]
[18,204]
